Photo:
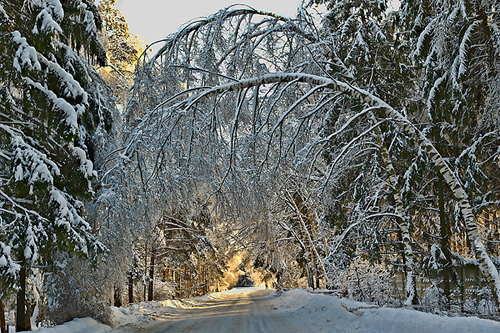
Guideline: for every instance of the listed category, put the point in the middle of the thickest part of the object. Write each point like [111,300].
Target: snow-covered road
[247,310]
[261,310]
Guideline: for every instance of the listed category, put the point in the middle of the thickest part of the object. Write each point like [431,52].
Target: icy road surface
[242,310]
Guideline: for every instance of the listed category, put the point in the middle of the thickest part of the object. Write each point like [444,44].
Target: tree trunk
[174,283]
[302,215]
[179,286]
[310,279]
[21,319]
[117,296]
[3,326]
[130,289]
[200,274]
[316,273]
[445,234]
[205,283]
[404,225]
[144,282]
[151,276]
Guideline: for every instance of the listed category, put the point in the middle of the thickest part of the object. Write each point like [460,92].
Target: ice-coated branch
[486,265]
[225,14]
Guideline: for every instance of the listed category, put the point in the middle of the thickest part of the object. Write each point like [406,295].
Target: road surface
[235,312]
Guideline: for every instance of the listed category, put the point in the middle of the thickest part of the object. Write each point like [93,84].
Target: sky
[155,19]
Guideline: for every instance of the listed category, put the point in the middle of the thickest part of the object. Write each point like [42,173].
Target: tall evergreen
[51,107]
[122,48]
[454,45]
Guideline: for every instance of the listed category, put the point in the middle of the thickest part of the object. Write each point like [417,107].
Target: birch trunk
[404,225]
[445,234]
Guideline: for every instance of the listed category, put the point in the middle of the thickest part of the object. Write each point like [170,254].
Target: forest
[354,150]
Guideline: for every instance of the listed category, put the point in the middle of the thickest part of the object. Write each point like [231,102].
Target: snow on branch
[8,266]
[61,104]
[423,36]
[47,23]
[463,49]
[31,165]
[224,14]
[26,55]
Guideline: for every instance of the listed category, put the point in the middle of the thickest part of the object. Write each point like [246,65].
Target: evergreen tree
[364,48]
[122,48]
[454,46]
[51,109]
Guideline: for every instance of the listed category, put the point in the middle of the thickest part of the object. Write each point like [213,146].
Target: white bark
[404,225]
[405,230]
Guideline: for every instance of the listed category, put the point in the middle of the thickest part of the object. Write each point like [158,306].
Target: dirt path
[238,312]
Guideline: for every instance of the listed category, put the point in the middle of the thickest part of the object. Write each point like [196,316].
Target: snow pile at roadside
[330,314]
[80,325]
[123,316]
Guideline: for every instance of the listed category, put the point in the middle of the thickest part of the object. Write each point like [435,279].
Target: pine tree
[51,108]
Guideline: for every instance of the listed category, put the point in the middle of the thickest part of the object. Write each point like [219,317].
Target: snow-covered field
[300,310]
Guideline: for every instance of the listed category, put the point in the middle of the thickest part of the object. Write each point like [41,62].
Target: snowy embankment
[333,314]
[319,312]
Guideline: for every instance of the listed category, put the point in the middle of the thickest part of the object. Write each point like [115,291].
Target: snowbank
[80,325]
[330,314]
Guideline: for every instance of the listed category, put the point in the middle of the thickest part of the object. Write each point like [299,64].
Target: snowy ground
[260,310]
